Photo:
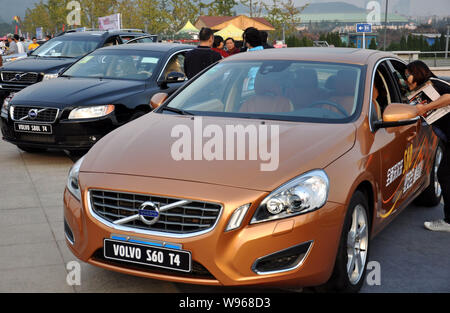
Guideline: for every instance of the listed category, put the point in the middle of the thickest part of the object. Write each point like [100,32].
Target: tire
[432,195]
[31,149]
[356,221]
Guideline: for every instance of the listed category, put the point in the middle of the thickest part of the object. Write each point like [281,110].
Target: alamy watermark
[74,16]
[73,277]
[230,142]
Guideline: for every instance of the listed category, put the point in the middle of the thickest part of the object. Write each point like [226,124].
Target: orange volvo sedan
[274,167]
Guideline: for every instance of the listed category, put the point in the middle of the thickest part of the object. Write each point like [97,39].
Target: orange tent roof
[240,21]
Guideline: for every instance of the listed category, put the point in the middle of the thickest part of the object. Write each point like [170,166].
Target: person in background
[203,56]
[252,39]
[20,47]
[218,46]
[33,45]
[418,73]
[12,45]
[264,35]
[48,37]
[230,45]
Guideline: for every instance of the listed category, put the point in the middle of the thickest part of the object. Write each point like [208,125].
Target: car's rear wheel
[351,260]
[431,196]
[31,149]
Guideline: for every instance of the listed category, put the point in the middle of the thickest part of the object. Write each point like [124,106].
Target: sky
[9,8]
[416,7]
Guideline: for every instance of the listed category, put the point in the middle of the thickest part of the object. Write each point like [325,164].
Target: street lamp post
[446,40]
[385,25]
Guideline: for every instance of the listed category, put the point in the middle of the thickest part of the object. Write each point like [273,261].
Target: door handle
[414,134]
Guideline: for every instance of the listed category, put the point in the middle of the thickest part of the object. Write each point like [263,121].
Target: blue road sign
[364,28]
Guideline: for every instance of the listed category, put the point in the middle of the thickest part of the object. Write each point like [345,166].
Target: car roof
[320,54]
[100,33]
[162,47]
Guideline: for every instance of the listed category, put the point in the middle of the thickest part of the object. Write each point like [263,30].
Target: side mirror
[158,99]
[398,114]
[175,77]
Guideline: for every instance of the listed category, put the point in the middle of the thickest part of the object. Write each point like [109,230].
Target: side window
[113,41]
[398,70]
[126,38]
[175,64]
[384,92]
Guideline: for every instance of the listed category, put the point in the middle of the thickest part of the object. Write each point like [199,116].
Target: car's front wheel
[351,260]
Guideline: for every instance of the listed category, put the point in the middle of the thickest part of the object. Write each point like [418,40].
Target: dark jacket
[198,59]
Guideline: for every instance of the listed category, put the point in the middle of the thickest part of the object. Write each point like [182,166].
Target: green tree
[373,44]
[255,7]
[222,7]
[403,44]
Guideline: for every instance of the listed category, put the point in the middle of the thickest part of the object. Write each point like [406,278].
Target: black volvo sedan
[102,91]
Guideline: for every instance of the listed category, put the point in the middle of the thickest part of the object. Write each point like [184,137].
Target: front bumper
[65,134]
[220,258]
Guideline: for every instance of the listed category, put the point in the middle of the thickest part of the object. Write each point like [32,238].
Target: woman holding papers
[417,74]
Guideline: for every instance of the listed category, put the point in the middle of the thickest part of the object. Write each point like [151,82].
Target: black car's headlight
[72,181]
[91,112]
[305,193]
[6,103]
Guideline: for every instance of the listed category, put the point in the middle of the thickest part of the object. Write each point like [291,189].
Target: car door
[396,148]
[425,141]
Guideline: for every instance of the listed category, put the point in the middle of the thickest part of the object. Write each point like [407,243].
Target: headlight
[91,112]
[50,76]
[6,102]
[72,180]
[303,194]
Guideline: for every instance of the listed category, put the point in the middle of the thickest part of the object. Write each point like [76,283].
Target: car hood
[38,65]
[77,91]
[143,148]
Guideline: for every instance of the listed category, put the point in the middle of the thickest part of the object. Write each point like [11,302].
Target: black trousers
[444,180]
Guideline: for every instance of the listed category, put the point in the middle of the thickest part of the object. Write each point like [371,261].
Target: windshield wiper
[175,110]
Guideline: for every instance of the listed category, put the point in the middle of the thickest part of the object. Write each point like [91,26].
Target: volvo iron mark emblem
[32,114]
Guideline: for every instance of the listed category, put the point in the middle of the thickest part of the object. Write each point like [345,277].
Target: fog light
[93,138]
[282,261]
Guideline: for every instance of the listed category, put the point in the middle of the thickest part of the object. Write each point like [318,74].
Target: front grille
[197,270]
[45,115]
[20,77]
[189,218]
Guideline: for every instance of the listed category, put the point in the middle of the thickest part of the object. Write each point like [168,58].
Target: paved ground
[33,253]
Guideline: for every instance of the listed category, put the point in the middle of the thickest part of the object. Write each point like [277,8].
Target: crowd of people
[15,44]
[213,48]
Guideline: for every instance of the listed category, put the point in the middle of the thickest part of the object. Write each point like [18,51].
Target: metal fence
[432,58]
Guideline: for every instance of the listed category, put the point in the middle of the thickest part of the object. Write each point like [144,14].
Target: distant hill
[332,7]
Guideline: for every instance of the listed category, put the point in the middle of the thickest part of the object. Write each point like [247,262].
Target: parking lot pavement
[33,252]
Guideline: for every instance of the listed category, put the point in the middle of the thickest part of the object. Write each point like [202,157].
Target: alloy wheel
[357,244]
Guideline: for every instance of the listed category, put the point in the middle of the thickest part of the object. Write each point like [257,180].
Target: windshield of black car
[276,89]
[69,47]
[116,64]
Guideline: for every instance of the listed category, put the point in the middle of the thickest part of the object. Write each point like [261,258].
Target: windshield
[276,89]
[67,47]
[116,64]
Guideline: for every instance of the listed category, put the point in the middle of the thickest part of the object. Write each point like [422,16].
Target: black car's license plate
[178,260]
[33,128]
